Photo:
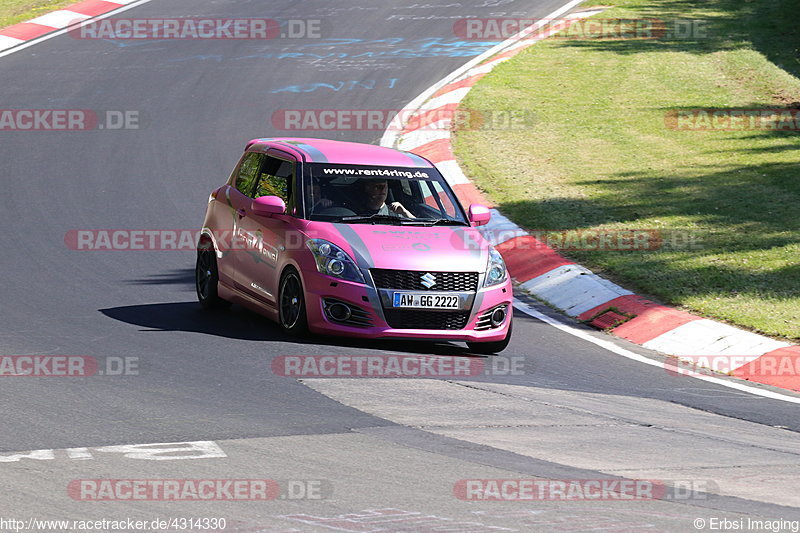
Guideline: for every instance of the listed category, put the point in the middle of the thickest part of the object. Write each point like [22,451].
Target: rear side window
[248,173]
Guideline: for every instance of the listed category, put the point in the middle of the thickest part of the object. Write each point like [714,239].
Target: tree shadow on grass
[769,27]
[668,26]
[754,208]
[755,197]
[758,198]
[752,122]
[774,32]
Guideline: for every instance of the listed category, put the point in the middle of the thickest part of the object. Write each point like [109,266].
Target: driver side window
[276,179]
[433,196]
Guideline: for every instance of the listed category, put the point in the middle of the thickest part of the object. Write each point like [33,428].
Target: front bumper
[374,313]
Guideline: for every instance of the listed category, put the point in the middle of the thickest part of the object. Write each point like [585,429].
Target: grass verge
[599,155]
[14,11]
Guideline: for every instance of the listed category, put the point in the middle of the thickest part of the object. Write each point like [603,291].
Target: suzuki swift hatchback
[352,239]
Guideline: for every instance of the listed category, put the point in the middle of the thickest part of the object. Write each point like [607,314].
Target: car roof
[341,152]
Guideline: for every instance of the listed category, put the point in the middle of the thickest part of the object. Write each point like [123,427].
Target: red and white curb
[563,284]
[24,32]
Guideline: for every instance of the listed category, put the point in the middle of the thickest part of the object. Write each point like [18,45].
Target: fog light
[498,316]
[339,312]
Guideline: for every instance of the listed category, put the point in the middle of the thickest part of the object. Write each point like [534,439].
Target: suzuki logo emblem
[428,280]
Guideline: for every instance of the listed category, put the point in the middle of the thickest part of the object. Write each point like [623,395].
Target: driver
[374,200]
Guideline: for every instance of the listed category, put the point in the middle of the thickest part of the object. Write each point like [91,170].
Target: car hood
[436,248]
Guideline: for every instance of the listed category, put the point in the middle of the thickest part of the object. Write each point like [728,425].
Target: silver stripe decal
[364,262]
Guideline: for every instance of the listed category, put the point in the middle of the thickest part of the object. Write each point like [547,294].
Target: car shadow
[175,276]
[242,324]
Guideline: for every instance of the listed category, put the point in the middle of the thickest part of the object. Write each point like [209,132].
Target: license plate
[425,300]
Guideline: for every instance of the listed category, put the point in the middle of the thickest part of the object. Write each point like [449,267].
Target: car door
[235,197]
[264,238]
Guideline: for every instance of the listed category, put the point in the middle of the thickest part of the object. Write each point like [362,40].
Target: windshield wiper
[440,221]
[378,218]
[403,221]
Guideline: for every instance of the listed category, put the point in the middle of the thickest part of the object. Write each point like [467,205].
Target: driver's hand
[397,207]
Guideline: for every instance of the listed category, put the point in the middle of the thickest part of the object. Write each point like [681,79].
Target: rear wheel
[207,279]
[291,304]
[489,348]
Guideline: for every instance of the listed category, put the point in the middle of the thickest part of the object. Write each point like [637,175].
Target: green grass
[14,11]
[599,155]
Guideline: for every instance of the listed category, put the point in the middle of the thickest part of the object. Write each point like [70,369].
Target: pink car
[352,239]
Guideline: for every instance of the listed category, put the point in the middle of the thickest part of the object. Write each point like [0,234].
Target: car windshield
[360,194]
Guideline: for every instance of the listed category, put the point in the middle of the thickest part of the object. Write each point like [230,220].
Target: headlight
[495,268]
[333,261]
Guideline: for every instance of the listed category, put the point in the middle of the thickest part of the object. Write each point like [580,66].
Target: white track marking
[159,451]
[707,337]
[9,42]
[59,19]
[611,347]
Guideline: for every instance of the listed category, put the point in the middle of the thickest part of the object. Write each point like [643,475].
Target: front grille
[416,319]
[359,318]
[411,280]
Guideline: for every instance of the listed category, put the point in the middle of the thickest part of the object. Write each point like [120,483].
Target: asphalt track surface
[206,376]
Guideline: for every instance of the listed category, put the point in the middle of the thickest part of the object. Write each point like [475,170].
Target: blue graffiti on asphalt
[330,42]
[418,48]
[339,86]
[125,44]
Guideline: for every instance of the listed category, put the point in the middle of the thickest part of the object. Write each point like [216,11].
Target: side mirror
[266,206]
[479,214]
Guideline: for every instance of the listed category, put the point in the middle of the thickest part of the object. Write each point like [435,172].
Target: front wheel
[489,348]
[292,306]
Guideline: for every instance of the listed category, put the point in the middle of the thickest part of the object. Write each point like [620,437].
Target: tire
[206,279]
[490,348]
[292,304]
